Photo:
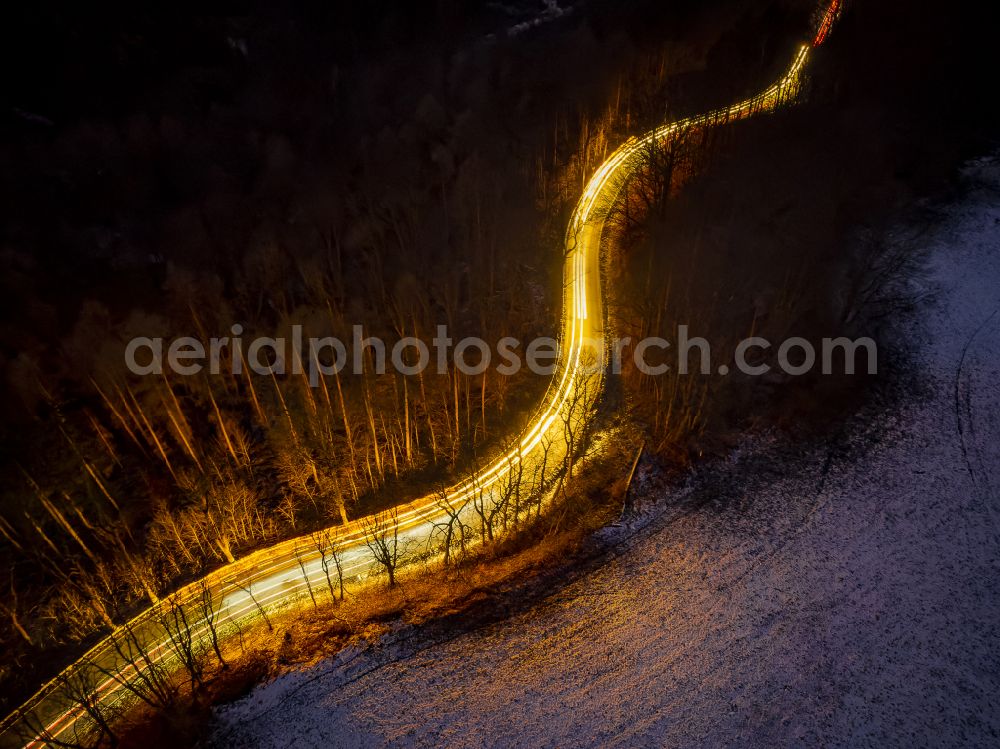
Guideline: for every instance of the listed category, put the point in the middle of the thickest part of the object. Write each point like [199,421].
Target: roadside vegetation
[171,705]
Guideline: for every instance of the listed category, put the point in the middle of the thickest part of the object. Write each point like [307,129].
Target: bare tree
[100,589]
[205,608]
[507,496]
[540,478]
[482,505]
[327,548]
[381,532]
[10,608]
[248,589]
[880,279]
[181,639]
[305,576]
[452,528]
[137,671]
[79,687]
[575,418]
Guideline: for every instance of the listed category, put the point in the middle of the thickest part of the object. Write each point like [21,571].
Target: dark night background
[140,141]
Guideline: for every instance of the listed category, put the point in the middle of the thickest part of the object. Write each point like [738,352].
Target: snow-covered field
[845,595]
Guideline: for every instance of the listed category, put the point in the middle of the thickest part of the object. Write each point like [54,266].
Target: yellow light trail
[275,573]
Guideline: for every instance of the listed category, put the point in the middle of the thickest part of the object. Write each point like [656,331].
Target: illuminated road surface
[282,576]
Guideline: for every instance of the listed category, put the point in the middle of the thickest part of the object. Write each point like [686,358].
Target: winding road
[285,574]
[841,591]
